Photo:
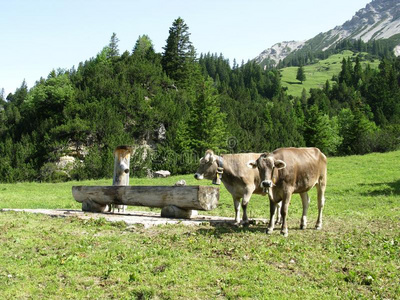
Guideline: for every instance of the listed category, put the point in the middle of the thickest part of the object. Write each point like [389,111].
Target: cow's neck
[224,164]
[220,170]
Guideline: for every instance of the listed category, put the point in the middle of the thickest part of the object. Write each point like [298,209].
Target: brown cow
[238,179]
[292,170]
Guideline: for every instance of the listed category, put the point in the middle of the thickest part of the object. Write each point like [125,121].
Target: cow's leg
[245,202]
[306,201]
[278,213]
[272,208]
[321,202]
[236,203]
[284,212]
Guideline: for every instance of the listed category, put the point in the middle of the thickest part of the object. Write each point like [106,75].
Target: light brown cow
[234,173]
[292,170]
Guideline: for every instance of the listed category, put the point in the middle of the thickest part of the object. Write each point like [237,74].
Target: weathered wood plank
[185,197]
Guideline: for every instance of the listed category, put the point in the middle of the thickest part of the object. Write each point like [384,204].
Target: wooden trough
[175,201]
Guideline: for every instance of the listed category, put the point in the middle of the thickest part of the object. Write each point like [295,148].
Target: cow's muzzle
[198,176]
[266,184]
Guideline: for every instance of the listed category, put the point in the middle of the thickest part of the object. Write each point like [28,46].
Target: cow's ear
[252,164]
[209,156]
[279,164]
[212,158]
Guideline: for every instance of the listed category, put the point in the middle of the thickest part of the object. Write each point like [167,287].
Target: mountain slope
[278,52]
[318,73]
[380,19]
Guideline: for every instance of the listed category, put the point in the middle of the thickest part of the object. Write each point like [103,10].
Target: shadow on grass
[294,82]
[220,229]
[383,189]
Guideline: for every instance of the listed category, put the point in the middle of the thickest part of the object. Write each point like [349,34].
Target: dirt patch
[147,219]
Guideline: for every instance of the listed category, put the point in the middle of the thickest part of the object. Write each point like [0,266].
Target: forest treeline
[172,106]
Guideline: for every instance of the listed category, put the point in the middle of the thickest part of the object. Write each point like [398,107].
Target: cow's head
[266,165]
[208,166]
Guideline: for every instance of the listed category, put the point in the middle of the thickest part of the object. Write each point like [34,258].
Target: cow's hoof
[284,233]
[303,226]
[245,223]
[236,224]
[269,231]
[318,227]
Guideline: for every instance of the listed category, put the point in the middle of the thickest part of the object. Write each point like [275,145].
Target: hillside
[317,74]
[378,21]
[171,107]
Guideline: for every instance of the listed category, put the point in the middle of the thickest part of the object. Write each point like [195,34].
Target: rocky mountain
[277,52]
[380,19]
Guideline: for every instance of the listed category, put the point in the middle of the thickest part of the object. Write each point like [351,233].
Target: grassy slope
[316,74]
[356,255]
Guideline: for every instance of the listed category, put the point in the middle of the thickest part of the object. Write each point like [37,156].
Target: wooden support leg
[122,156]
[172,211]
[91,206]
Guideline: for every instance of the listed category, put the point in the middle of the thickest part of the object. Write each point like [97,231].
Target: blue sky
[37,36]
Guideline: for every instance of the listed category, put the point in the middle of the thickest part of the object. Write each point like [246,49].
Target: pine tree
[301,76]
[304,98]
[357,74]
[142,46]
[345,75]
[327,87]
[321,132]
[113,46]
[179,54]
[20,94]
[207,125]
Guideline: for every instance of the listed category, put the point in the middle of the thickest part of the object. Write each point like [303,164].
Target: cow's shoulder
[236,165]
[240,160]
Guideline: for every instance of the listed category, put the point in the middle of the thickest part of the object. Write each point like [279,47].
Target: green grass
[356,255]
[317,74]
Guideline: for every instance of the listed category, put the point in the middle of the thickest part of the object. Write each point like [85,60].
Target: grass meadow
[317,74]
[355,256]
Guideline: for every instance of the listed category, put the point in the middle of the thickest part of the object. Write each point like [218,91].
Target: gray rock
[66,162]
[180,183]
[162,174]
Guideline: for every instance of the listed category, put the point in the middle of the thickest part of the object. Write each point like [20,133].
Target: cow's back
[304,167]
